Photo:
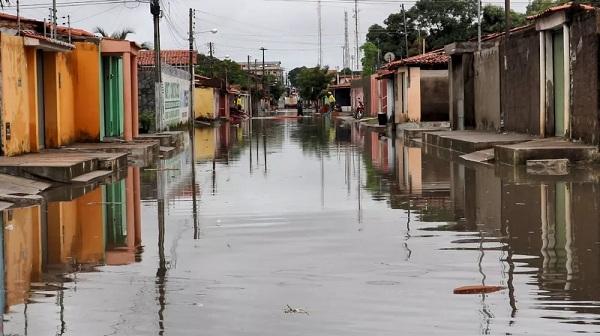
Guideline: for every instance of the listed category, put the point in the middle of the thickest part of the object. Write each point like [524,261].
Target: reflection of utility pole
[161,272]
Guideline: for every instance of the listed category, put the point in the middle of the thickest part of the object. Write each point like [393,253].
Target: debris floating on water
[478,289]
[289,310]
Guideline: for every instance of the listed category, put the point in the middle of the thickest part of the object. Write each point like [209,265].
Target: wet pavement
[306,227]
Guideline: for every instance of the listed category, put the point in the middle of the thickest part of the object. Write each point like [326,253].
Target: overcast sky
[288,28]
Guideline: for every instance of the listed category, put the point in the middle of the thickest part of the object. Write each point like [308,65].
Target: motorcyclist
[331,101]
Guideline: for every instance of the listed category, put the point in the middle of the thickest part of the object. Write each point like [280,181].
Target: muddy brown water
[310,227]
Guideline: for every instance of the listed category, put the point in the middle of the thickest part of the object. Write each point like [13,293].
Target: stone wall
[520,81]
[487,89]
[584,46]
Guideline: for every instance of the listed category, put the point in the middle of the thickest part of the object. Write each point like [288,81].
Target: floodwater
[357,232]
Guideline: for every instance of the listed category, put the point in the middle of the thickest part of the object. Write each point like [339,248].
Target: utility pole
[405,30]
[54,18]
[346,42]
[191,68]
[210,52]
[155,11]
[478,25]
[263,49]
[320,33]
[507,18]
[250,107]
[19,18]
[356,34]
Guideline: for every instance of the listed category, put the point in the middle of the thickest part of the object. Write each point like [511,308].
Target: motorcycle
[359,112]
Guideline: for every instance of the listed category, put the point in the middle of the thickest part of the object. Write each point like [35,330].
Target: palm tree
[117,35]
[147,46]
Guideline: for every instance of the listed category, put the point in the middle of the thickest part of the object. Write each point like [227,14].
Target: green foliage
[438,22]
[493,19]
[293,75]
[346,72]
[369,61]
[117,35]
[147,121]
[537,6]
[224,70]
[276,89]
[312,82]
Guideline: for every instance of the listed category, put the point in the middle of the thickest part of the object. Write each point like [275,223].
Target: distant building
[271,68]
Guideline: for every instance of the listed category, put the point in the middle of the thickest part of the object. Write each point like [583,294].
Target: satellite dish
[389,56]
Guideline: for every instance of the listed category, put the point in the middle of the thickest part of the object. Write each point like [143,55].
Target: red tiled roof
[560,8]
[74,32]
[171,57]
[436,57]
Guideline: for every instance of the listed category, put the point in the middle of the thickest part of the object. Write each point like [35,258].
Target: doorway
[112,85]
[41,106]
[558,67]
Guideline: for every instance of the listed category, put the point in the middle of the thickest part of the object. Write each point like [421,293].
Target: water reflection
[315,213]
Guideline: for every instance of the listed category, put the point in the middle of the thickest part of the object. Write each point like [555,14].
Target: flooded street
[355,232]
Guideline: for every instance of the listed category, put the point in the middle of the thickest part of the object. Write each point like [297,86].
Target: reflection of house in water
[422,182]
[75,233]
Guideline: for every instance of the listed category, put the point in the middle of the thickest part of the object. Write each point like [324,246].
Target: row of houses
[71,86]
[541,79]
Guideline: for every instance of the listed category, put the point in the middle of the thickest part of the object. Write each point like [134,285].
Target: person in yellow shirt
[331,101]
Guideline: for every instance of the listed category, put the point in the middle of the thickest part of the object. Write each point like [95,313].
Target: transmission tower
[346,42]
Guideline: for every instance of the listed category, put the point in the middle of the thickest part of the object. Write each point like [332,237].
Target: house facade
[52,93]
[554,60]
[415,89]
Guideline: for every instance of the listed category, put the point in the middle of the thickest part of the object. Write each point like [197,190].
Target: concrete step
[472,141]
[166,139]
[53,166]
[544,149]
[91,177]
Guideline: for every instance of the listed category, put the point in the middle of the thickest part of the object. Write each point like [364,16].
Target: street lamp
[212,31]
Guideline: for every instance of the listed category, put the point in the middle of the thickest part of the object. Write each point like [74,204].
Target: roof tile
[171,57]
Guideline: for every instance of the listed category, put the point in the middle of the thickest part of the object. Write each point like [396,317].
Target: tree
[538,6]
[346,72]
[493,19]
[437,23]
[293,75]
[224,70]
[313,82]
[369,60]
[117,35]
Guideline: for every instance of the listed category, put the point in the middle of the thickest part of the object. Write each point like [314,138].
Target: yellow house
[54,92]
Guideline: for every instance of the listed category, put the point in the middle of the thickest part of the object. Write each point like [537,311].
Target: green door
[115,215]
[559,82]
[112,70]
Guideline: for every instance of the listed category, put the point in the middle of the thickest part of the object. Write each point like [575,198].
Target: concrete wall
[520,82]
[206,103]
[15,100]
[434,95]
[409,110]
[462,91]
[585,108]
[487,89]
[87,116]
